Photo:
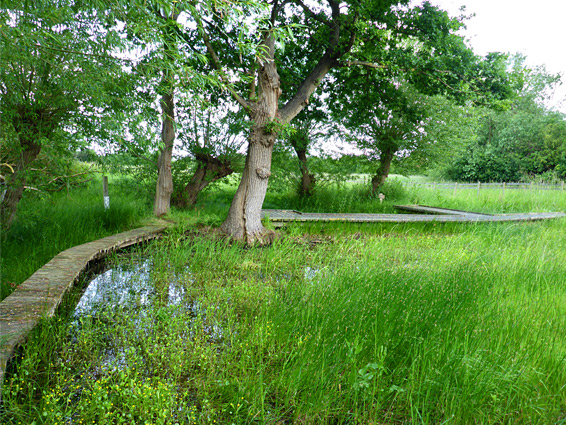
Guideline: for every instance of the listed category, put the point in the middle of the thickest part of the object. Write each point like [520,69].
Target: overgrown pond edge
[41,294]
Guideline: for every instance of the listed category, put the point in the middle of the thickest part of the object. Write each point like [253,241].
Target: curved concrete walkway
[40,295]
[431,214]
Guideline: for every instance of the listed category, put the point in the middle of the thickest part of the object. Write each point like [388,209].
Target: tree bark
[164,186]
[244,217]
[15,184]
[307,179]
[209,170]
[382,171]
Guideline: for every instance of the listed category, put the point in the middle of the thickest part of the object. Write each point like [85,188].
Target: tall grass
[46,226]
[343,197]
[335,323]
[491,200]
[413,325]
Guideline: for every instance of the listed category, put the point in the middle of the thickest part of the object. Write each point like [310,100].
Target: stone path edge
[39,296]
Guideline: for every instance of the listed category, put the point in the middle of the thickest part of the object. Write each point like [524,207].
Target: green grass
[390,324]
[334,323]
[490,200]
[46,226]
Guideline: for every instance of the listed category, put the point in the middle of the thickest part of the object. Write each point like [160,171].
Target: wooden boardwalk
[431,214]
[40,295]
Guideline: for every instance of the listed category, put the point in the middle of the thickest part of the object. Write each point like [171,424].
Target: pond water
[132,291]
[127,286]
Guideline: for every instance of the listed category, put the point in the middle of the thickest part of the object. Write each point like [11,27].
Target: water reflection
[135,289]
[127,286]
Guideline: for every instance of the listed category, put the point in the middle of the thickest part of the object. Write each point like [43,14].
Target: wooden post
[479,188]
[455,189]
[105,192]
[504,184]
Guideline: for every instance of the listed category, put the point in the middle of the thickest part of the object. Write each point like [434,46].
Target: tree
[330,29]
[393,123]
[386,106]
[151,30]
[213,140]
[164,185]
[305,131]
[55,69]
[513,145]
[164,66]
[520,141]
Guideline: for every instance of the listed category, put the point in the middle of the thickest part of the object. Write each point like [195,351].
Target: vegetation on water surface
[336,323]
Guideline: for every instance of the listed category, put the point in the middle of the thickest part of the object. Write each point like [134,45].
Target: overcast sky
[536,29]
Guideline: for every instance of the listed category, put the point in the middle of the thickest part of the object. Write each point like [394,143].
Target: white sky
[536,29]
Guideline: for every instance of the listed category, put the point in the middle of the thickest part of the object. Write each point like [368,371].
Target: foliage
[514,145]
[518,142]
[417,71]
[56,73]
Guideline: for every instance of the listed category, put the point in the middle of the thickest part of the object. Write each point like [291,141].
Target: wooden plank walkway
[40,295]
[284,216]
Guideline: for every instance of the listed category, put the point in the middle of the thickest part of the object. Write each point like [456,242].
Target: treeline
[523,143]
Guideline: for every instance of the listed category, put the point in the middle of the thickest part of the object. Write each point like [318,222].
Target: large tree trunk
[244,217]
[15,184]
[164,186]
[383,170]
[209,170]
[307,179]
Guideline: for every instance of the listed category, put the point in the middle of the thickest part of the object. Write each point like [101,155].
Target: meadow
[47,225]
[331,324]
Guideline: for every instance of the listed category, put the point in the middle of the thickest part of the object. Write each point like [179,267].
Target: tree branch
[77,52]
[253,82]
[274,12]
[328,61]
[362,63]
[311,14]
[216,62]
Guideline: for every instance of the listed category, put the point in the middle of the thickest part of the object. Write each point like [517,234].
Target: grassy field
[332,324]
[48,225]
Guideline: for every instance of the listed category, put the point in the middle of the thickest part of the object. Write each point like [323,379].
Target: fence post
[434,186]
[531,188]
[105,192]
[479,187]
[562,184]
[455,189]
[504,184]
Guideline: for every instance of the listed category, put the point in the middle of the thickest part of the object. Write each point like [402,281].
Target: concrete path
[41,294]
[282,216]
[435,210]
